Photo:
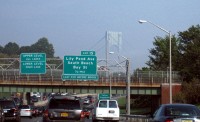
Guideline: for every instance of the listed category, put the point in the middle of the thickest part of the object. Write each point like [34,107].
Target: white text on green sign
[88,53]
[33,63]
[80,65]
[33,57]
[104,96]
[79,77]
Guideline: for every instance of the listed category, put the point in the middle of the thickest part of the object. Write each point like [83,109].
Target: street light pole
[170,56]
[110,78]
[127,83]
[128,86]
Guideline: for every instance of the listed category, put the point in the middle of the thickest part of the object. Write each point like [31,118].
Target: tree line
[12,49]
[185,53]
[185,47]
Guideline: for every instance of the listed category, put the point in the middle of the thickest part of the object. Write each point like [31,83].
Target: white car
[37,94]
[106,110]
[64,93]
[25,110]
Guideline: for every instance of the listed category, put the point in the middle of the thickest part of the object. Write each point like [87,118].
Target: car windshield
[24,107]
[64,104]
[181,111]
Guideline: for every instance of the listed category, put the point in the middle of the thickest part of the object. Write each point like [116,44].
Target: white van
[106,110]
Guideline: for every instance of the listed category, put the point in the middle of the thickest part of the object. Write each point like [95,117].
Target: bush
[179,98]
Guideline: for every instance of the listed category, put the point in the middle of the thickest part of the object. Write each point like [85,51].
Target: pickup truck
[106,110]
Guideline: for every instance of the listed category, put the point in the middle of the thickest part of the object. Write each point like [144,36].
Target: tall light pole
[170,56]
[128,110]
[110,80]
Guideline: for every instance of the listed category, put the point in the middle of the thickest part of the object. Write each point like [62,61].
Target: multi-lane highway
[39,119]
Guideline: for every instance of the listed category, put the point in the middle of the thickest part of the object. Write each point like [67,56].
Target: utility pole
[127,87]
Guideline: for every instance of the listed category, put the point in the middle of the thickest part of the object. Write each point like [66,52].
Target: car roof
[24,105]
[6,100]
[64,97]
[177,104]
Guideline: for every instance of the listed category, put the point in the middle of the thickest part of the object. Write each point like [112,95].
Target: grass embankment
[134,110]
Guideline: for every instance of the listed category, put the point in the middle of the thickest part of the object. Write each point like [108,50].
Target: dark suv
[62,108]
[11,111]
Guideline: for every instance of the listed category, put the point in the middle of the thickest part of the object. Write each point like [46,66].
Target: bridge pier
[165,92]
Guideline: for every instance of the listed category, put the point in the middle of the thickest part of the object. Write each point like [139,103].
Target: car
[176,113]
[34,99]
[35,111]
[87,111]
[78,98]
[62,108]
[1,114]
[26,111]
[106,110]
[91,98]
[86,101]
[10,110]
[64,93]
[41,109]
[37,94]
[17,101]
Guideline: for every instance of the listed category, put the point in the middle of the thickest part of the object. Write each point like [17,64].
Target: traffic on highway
[59,107]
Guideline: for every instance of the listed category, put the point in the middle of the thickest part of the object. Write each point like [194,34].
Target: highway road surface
[39,119]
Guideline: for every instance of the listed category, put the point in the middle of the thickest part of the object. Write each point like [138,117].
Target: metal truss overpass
[141,83]
[111,78]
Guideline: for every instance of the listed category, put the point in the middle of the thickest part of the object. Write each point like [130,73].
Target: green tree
[190,92]
[25,49]
[11,48]
[1,49]
[159,58]
[43,46]
[190,53]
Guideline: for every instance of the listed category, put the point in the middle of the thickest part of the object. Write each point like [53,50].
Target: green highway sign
[104,96]
[79,77]
[38,57]
[32,63]
[88,53]
[80,67]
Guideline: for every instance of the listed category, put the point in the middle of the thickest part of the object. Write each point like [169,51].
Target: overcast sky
[76,25]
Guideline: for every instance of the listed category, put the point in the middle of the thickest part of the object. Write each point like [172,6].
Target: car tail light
[168,120]
[82,114]
[14,110]
[46,113]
